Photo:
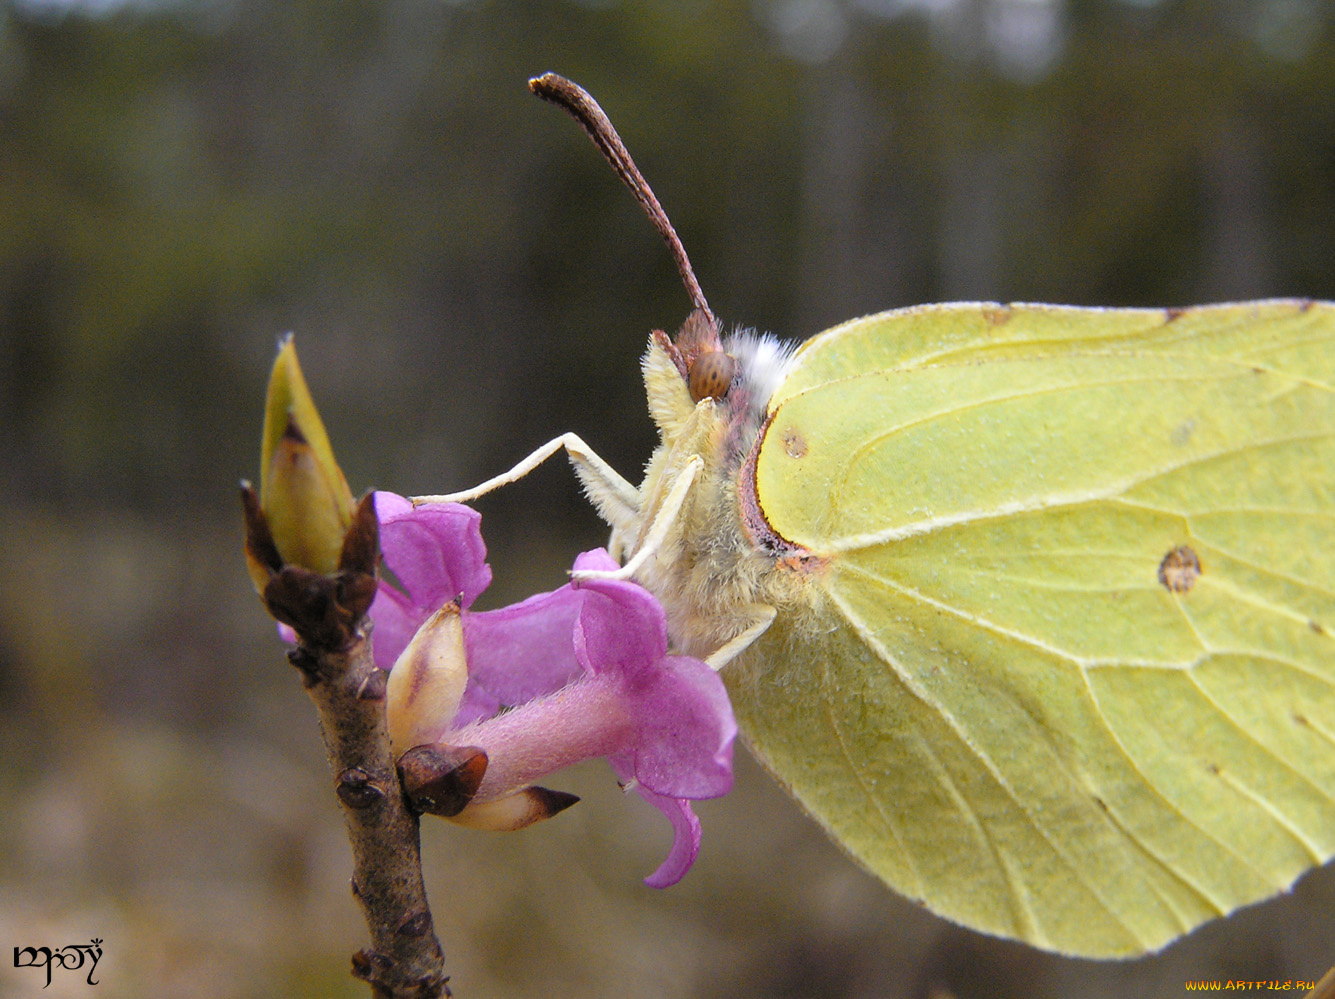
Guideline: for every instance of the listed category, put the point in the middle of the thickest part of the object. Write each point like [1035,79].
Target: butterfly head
[668,365]
[735,374]
[697,353]
[707,368]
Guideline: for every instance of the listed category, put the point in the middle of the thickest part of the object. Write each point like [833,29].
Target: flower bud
[515,811]
[303,493]
[427,682]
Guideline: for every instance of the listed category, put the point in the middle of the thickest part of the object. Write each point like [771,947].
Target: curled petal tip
[685,840]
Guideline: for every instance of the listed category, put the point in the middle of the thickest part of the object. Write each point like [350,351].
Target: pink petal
[595,560]
[436,551]
[396,619]
[683,718]
[388,505]
[685,729]
[520,652]
[685,839]
[621,626]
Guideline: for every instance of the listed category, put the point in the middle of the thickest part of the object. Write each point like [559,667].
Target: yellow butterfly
[1031,607]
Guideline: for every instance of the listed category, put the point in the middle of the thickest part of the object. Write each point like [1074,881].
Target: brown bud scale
[356,790]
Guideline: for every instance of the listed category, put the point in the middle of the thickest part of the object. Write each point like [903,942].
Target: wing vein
[1079,871]
[1264,750]
[1052,651]
[862,783]
[1001,511]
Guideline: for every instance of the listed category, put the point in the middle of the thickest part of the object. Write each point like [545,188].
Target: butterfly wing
[1069,675]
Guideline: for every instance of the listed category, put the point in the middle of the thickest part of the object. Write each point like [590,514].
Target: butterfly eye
[711,375]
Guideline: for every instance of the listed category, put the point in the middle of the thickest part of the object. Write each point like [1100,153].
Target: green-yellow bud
[303,493]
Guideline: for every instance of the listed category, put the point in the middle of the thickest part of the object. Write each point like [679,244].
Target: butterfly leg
[762,616]
[661,504]
[617,500]
[664,520]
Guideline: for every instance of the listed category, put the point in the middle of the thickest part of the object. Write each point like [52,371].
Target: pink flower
[565,676]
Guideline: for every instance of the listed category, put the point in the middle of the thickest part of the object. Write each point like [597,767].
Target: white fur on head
[763,362]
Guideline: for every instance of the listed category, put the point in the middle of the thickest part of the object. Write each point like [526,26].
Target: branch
[328,612]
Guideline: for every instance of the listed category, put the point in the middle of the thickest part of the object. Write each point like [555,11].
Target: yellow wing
[1067,672]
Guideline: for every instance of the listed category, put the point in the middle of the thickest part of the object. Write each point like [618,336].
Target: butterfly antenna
[575,100]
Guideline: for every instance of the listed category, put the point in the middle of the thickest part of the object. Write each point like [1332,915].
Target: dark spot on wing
[1172,313]
[1316,626]
[1180,569]
[794,444]
[787,555]
[997,315]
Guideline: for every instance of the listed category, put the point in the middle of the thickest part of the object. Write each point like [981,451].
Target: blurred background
[182,182]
